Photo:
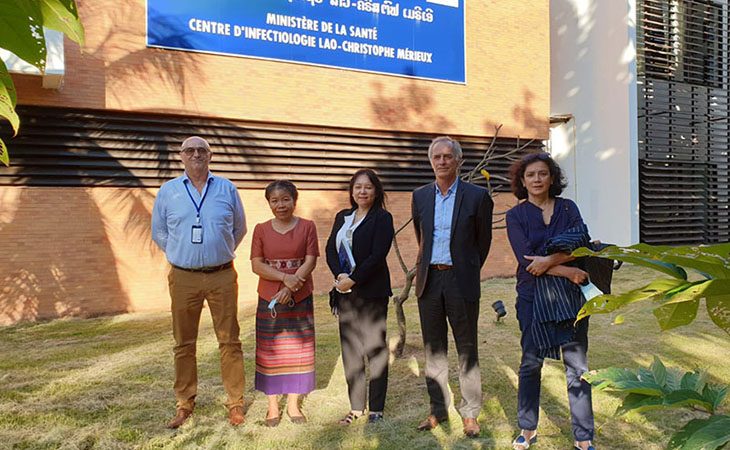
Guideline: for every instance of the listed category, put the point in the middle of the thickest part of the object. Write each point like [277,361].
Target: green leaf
[686,397]
[7,99]
[718,308]
[675,315]
[714,394]
[674,379]
[659,371]
[622,380]
[639,403]
[608,303]
[4,157]
[62,15]
[7,81]
[699,289]
[694,380]
[702,434]
[21,31]
[712,260]
[639,254]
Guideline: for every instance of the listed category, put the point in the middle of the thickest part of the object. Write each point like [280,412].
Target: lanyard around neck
[198,206]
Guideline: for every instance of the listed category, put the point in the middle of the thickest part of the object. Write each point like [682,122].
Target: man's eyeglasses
[530,157]
[190,151]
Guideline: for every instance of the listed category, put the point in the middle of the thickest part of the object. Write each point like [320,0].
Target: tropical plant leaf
[21,31]
[694,380]
[718,308]
[7,99]
[699,289]
[639,403]
[713,260]
[674,378]
[673,315]
[604,304]
[4,157]
[659,371]
[686,397]
[702,434]
[623,380]
[714,394]
[62,15]
[639,254]
[7,81]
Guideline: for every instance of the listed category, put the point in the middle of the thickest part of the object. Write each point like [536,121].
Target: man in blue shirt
[198,221]
[453,223]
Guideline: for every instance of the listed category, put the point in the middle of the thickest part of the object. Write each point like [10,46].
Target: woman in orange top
[284,252]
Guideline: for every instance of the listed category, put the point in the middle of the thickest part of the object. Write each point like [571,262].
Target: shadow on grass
[107,383]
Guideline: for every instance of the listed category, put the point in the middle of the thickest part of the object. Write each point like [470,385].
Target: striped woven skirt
[285,348]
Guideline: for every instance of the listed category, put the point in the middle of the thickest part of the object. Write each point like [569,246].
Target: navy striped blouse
[558,299]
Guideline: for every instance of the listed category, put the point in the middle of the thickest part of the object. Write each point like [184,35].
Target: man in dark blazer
[453,223]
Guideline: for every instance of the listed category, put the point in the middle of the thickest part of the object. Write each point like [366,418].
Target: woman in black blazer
[356,250]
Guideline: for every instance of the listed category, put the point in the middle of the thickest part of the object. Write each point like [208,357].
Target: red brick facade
[87,251]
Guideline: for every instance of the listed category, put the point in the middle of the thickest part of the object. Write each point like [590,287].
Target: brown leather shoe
[180,417]
[471,428]
[235,415]
[431,422]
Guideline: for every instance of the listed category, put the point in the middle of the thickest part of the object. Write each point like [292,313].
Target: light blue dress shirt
[221,217]
[443,211]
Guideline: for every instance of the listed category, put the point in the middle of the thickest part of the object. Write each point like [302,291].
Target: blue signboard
[414,38]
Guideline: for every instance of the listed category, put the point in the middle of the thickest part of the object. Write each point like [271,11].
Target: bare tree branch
[488,157]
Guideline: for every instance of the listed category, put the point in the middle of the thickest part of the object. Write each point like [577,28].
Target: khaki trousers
[188,290]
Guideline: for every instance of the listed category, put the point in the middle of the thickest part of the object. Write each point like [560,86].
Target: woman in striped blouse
[543,229]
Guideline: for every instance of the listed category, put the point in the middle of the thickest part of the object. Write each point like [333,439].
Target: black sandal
[349,418]
[375,417]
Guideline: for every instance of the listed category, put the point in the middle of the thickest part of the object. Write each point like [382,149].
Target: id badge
[197,234]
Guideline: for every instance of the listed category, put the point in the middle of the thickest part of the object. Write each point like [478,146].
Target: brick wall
[85,252]
[507,45]
[76,251]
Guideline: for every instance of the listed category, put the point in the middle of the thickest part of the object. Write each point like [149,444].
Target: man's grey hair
[195,137]
[452,143]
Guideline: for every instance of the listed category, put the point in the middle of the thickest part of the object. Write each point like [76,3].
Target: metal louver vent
[684,127]
[61,147]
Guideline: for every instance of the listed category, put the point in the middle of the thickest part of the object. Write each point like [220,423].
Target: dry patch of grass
[107,383]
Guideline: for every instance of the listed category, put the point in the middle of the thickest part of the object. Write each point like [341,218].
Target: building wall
[87,251]
[507,78]
[593,80]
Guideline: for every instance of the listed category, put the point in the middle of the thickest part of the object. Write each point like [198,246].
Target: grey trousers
[442,302]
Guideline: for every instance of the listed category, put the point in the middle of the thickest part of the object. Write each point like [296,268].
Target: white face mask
[590,290]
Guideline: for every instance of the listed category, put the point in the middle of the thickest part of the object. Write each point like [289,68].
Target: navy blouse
[527,232]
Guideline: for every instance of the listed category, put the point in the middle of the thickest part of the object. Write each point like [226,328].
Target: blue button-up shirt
[443,211]
[221,217]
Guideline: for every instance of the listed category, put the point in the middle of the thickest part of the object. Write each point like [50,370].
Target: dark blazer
[370,245]
[471,234]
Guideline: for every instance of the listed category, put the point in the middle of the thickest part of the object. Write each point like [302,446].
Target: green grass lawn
[107,383]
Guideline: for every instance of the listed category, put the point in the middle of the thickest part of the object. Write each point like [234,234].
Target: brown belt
[207,269]
[440,266]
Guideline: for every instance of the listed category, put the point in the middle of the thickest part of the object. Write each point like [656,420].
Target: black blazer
[370,245]
[471,234]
